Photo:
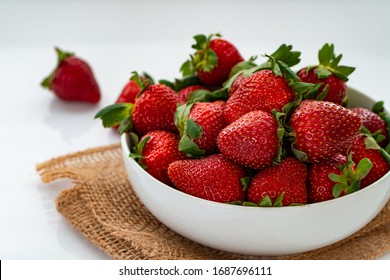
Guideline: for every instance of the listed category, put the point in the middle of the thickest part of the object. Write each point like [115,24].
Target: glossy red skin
[184,93]
[380,166]
[228,57]
[323,129]
[155,109]
[129,93]
[251,141]
[161,150]
[289,177]
[73,80]
[262,90]
[210,117]
[373,122]
[213,178]
[337,88]
[319,185]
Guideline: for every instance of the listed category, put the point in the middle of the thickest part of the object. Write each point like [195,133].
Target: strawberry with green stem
[321,129]
[72,79]
[155,151]
[336,177]
[213,60]
[154,109]
[329,73]
[199,124]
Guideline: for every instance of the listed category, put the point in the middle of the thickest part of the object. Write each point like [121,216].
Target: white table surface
[117,37]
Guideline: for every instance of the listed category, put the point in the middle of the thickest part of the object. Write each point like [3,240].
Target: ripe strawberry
[213,178]
[129,92]
[252,140]
[155,151]
[364,147]
[199,124]
[262,90]
[154,109]
[73,79]
[336,177]
[322,129]
[374,123]
[213,60]
[287,179]
[329,73]
[320,187]
[184,93]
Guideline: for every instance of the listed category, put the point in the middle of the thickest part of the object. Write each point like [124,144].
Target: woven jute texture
[104,208]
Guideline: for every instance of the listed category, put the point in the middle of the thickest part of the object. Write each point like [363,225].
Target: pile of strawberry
[253,134]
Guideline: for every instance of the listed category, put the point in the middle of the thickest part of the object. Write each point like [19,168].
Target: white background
[117,37]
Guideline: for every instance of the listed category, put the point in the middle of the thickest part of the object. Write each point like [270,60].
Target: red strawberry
[262,90]
[213,60]
[322,129]
[213,178]
[373,122]
[287,179]
[252,140]
[129,92]
[329,73]
[184,93]
[320,187]
[199,125]
[73,79]
[336,177]
[154,109]
[155,151]
[361,148]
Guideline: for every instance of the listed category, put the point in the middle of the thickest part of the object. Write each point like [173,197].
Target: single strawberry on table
[321,129]
[213,60]
[329,73]
[284,183]
[72,79]
[213,178]
[252,141]
[155,151]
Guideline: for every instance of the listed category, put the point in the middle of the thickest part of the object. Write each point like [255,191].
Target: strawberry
[199,124]
[262,90]
[374,123]
[252,140]
[184,93]
[129,92]
[213,178]
[72,79]
[213,60]
[154,109]
[329,73]
[322,129]
[365,147]
[286,180]
[155,151]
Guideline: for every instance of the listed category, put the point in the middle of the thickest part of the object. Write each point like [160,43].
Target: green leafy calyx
[61,56]
[117,114]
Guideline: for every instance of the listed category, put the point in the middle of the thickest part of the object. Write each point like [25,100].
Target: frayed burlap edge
[105,209]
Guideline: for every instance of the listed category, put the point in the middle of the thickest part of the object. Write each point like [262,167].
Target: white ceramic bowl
[259,231]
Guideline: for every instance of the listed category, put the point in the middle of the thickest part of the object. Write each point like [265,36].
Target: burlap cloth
[104,208]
